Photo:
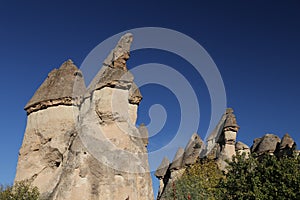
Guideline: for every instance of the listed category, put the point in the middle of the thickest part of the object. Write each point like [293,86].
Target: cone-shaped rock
[177,161]
[230,122]
[62,85]
[162,169]
[143,133]
[192,150]
[287,142]
[114,72]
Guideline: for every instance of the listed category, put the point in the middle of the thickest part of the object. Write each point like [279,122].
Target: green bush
[198,182]
[265,178]
[20,191]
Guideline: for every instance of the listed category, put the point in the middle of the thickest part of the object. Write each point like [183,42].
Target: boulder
[267,144]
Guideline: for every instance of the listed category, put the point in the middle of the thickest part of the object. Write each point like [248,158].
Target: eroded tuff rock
[272,144]
[267,144]
[192,150]
[83,144]
[58,88]
[178,158]
[241,148]
[287,146]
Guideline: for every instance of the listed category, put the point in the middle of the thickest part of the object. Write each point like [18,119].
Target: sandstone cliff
[83,143]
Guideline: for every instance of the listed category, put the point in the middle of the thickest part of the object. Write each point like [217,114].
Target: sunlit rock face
[83,143]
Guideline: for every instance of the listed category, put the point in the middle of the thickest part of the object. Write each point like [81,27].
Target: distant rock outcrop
[221,146]
[82,143]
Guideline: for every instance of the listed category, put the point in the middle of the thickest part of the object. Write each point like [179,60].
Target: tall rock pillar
[50,127]
[83,143]
[227,139]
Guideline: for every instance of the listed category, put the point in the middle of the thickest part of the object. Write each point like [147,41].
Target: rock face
[83,143]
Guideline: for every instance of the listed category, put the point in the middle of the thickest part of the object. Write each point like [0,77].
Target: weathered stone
[213,139]
[114,77]
[162,169]
[47,138]
[230,123]
[287,142]
[61,87]
[144,134]
[192,150]
[178,158]
[88,149]
[241,148]
[268,144]
[120,54]
[230,137]
[135,96]
[255,144]
[226,154]
[287,146]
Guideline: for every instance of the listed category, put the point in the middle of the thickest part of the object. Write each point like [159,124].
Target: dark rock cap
[67,81]
[162,169]
[114,72]
[230,120]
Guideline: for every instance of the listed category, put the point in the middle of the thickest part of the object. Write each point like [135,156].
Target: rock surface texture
[83,143]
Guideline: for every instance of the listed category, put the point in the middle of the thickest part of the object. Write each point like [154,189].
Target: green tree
[20,191]
[198,182]
[264,178]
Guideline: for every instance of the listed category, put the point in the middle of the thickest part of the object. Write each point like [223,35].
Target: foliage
[20,191]
[265,178]
[198,182]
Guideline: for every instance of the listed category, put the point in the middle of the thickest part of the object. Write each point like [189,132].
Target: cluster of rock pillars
[69,125]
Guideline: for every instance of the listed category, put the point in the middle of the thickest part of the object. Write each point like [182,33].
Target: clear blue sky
[255,45]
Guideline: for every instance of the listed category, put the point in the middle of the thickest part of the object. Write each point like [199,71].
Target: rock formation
[168,173]
[83,143]
[241,148]
[221,146]
[272,144]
